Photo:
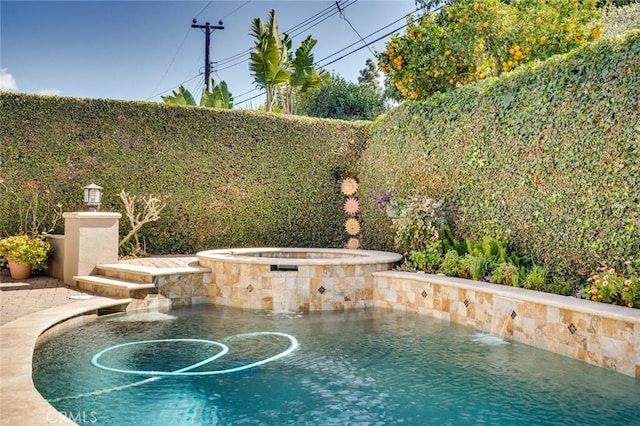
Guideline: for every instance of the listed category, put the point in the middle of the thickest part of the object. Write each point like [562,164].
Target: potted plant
[25,254]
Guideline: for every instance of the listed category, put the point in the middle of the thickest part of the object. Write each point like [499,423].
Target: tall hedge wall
[229,178]
[548,155]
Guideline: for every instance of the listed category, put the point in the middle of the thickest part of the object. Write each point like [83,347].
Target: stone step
[125,272]
[152,273]
[113,287]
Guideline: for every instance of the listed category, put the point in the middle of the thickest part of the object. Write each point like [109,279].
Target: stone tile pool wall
[597,333]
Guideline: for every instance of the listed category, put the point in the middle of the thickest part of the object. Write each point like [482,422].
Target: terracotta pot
[19,271]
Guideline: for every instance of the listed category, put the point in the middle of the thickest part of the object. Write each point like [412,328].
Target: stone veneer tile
[553,314]
[607,346]
[534,311]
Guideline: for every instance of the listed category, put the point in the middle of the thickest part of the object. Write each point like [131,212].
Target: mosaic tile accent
[466,303]
[424,293]
[513,315]
[572,328]
[322,290]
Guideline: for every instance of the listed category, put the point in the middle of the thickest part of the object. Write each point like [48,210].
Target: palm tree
[304,75]
[270,56]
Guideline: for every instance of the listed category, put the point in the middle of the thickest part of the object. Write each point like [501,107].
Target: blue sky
[138,50]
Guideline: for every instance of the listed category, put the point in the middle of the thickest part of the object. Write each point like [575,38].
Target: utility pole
[208,29]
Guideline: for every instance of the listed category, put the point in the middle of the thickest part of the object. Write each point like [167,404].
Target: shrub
[506,273]
[427,259]
[417,223]
[453,265]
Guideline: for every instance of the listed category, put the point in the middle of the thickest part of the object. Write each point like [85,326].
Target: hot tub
[294,279]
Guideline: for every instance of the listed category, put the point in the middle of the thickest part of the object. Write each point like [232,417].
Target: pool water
[373,367]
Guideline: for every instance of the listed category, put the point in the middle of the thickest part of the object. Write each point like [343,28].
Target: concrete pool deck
[29,308]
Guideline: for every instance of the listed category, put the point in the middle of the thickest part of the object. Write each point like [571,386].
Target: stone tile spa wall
[597,333]
[310,288]
[291,279]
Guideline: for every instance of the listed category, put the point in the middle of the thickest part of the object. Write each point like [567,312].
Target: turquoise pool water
[368,368]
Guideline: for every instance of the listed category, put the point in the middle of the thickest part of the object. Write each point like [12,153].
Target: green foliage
[181,97]
[470,40]
[546,156]
[451,242]
[369,75]
[428,259]
[536,278]
[493,249]
[453,265]
[506,273]
[617,287]
[26,249]
[478,266]
[341,99]
[219,97]
[228,177]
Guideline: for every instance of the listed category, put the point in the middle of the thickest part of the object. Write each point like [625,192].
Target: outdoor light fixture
[92,196]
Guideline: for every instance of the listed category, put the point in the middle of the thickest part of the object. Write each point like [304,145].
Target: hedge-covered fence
[229,178]
[548,155]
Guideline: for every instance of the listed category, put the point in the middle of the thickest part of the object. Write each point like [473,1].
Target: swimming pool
[355,367]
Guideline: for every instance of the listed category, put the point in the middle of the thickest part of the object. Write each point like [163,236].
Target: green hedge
[229,178]
[548,155]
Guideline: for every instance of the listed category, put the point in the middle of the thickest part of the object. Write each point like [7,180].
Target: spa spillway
[294,279]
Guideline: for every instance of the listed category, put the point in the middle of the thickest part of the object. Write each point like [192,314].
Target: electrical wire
[236,9]
[293,32]
[202,10]
[343,16]
[173,87]
[366,37]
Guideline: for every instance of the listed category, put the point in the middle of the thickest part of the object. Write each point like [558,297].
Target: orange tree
[468,40]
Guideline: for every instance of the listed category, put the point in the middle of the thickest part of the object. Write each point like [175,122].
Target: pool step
[125,272]
[112,287]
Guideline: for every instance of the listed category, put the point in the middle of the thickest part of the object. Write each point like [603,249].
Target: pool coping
[20,402]
[343,256]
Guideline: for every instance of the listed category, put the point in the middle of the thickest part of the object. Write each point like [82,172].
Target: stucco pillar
[90,239]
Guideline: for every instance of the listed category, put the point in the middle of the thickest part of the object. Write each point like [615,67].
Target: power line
[173,87]
[366,37]
[293,32]
[202,10]
[172,61]
[236,9]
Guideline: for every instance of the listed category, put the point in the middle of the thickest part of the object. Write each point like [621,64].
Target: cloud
[50,92]
[7,82]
